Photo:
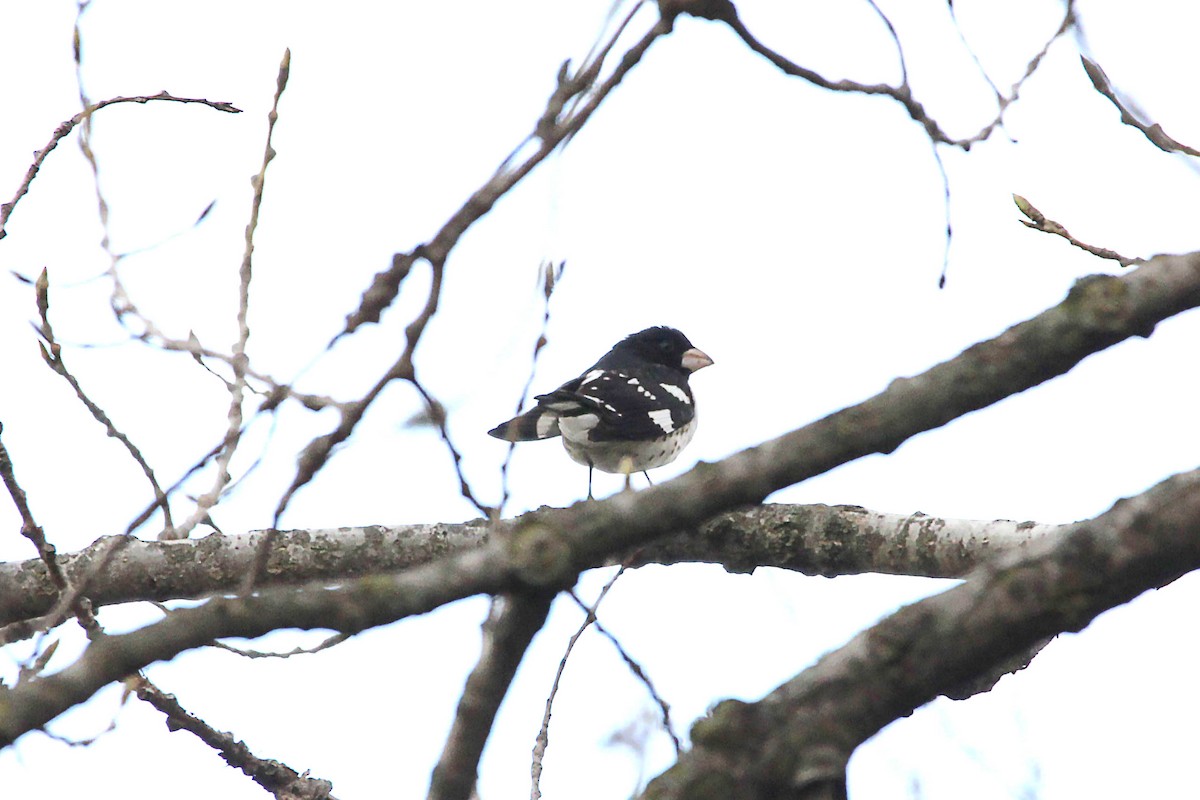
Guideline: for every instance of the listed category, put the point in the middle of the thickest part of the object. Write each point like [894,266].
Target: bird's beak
[695,359]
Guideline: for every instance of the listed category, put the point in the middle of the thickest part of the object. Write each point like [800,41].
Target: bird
[631,411]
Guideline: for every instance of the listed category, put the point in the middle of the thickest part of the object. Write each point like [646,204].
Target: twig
[277,778]
[891,29]
[1039,222]
[237,388]
[64,130]
[937,158]
[435,252]
[53,356]
[637,671]
[902,93]
[29,527]
[276,390]
[1130,113]
[542,741]
[332,641]
[437,417]
[549,275]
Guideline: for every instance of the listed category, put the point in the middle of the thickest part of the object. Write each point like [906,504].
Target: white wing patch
[662,418]
[600,402]
[545,425]
[642,390]
[576,428]
[676,392]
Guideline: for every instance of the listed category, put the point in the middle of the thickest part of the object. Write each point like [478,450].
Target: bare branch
[638,671]
[64,130]
[1039,222]
[71,600]
[507,633]
[902,93]
[237,387]
[542,740]
[796,741]
[29,527]
[548,549]
[52,355]
[332,641]
[437,417]
[386,284]
[1130,113]
[277,778]
[810,539]
[550,275]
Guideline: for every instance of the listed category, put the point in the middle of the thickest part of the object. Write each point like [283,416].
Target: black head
[666,346]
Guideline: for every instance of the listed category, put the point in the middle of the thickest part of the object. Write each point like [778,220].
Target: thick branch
[796,742]
[507,633]
[549,549]
[813,539]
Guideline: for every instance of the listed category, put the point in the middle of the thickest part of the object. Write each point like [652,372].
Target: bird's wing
[626,404]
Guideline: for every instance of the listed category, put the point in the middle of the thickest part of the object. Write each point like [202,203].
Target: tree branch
[1131,115]
[276,777]
[548,549]
[510,627]
[64,130]
[812,539]
[386,284]
[796,742]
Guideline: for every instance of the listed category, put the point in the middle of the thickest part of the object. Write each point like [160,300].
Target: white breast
[628,457]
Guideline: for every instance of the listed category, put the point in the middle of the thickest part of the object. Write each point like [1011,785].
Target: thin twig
[437,417]
[1040,222]
[1130,113]
[332,641]
[237,387]
[937,159]
[549,275]
[52,354]
[974,56]
[65,128]
[542,741]
[29,527]
[895,40]
[637,670]
[902,93]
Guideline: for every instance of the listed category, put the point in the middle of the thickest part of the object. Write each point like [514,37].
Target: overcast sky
[795,235]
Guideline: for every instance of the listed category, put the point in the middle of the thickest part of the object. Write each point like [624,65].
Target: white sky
[793,234]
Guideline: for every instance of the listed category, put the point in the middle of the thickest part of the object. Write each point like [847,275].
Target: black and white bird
[629,412]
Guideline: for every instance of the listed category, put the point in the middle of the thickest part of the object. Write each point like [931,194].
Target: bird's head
[665,346]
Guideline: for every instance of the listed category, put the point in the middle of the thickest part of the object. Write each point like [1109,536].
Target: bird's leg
[590,468]
[647,474]
[626,468]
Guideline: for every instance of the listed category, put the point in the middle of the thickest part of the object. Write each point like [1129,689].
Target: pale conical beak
[695,359]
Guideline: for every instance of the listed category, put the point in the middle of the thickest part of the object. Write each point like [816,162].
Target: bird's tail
[537,423]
